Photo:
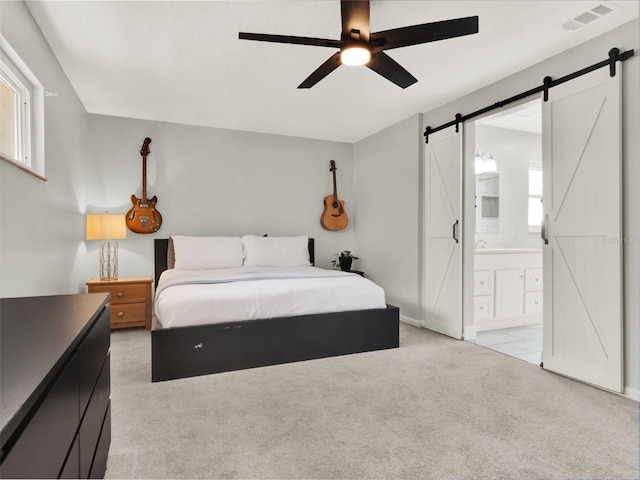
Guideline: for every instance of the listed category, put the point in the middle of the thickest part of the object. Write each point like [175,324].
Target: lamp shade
[106,226]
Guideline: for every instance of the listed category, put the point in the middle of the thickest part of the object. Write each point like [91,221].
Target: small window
[535,199]
[21,113]
[15,122]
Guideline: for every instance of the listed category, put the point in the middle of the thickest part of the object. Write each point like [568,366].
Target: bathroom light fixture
[355,55]
[106,228]
[484,165]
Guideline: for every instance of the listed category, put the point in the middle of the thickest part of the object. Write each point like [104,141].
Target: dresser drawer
[123,293]
[91,425]
[128,313]
[42,447]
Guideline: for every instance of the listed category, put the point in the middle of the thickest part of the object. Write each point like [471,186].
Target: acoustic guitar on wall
[334,216]
[143,216]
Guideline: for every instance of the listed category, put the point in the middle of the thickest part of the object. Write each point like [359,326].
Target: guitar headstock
[144,150]
[333,166]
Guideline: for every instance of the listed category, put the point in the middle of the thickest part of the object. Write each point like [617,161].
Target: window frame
[30,114]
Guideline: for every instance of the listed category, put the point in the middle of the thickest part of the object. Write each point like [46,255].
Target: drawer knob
[481,283]
[121,314]
[121,294]
[481,308]
[536,302]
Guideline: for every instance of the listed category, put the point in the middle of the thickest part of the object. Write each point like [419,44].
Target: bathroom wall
[513,151]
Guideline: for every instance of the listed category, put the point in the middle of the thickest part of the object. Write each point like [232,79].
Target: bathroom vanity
[507,288]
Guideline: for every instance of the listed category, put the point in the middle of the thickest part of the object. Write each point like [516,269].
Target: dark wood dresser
[55,386]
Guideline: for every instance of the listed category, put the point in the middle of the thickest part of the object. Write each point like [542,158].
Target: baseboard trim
[411,321]
[469,333]
[632,393]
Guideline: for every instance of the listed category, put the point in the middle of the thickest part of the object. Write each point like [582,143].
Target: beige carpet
[435,408]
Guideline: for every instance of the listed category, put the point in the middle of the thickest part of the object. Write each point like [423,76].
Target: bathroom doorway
[503,191]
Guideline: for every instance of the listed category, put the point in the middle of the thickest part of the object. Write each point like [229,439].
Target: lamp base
[108,260]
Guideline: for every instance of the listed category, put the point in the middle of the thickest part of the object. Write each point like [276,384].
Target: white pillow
[204,253]
[276,251]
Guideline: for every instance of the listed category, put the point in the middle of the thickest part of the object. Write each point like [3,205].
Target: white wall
[216,182]
[42,223]
[387,173]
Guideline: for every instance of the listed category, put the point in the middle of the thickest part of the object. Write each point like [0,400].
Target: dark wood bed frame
[204,349]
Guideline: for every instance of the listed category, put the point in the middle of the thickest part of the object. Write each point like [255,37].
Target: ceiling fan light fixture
[355,55]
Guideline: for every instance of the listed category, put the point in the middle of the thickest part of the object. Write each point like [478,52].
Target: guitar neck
[335,187]
[144,178]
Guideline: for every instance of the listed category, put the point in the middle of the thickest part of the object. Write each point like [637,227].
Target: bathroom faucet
[480,244]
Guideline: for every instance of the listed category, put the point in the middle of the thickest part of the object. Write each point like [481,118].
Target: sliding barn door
[443,233]
[582,211]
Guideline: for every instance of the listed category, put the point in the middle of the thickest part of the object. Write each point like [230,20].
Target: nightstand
[130,300]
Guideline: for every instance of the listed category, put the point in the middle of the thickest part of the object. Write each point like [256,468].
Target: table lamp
[107,228]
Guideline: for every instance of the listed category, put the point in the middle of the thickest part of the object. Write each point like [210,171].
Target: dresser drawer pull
[121,294]
[121,314]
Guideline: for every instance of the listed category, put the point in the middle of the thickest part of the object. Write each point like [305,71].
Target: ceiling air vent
[587,17]
[571,25]
[601,10]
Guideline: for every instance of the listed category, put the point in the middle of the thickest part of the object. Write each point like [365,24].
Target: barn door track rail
[547,83]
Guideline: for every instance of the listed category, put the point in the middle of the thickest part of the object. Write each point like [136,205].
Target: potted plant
[344,260]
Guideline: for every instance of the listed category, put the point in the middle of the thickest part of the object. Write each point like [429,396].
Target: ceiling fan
[359,46]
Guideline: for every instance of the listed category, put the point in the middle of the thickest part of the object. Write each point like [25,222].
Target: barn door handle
[453,234]
[543,230]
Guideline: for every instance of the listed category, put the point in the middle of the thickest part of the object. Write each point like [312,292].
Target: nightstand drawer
[123,293]
[128,313]
[130,300]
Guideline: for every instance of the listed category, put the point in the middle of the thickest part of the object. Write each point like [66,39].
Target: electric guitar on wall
[143,216]
[334,216]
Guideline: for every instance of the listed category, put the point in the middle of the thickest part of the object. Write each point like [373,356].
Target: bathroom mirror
[487,202]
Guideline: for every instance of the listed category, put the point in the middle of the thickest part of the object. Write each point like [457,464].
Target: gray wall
[41,223]
[216,182]
[386,166]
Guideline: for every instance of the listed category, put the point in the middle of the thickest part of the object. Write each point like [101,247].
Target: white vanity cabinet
[507,288]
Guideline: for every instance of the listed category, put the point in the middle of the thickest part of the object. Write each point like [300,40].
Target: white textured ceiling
[182,62]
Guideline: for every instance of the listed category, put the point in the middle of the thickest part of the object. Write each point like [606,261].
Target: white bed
[199,297]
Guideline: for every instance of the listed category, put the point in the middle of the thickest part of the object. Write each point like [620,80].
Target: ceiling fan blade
[322,71]
[265,37]
[427,32]
[355,16]
[391,70]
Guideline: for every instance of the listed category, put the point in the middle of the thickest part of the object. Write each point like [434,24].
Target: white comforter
[197,297]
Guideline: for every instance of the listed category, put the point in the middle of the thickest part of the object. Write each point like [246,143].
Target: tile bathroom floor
[524,343]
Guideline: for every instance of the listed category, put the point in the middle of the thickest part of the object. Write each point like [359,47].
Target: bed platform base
[204,349]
